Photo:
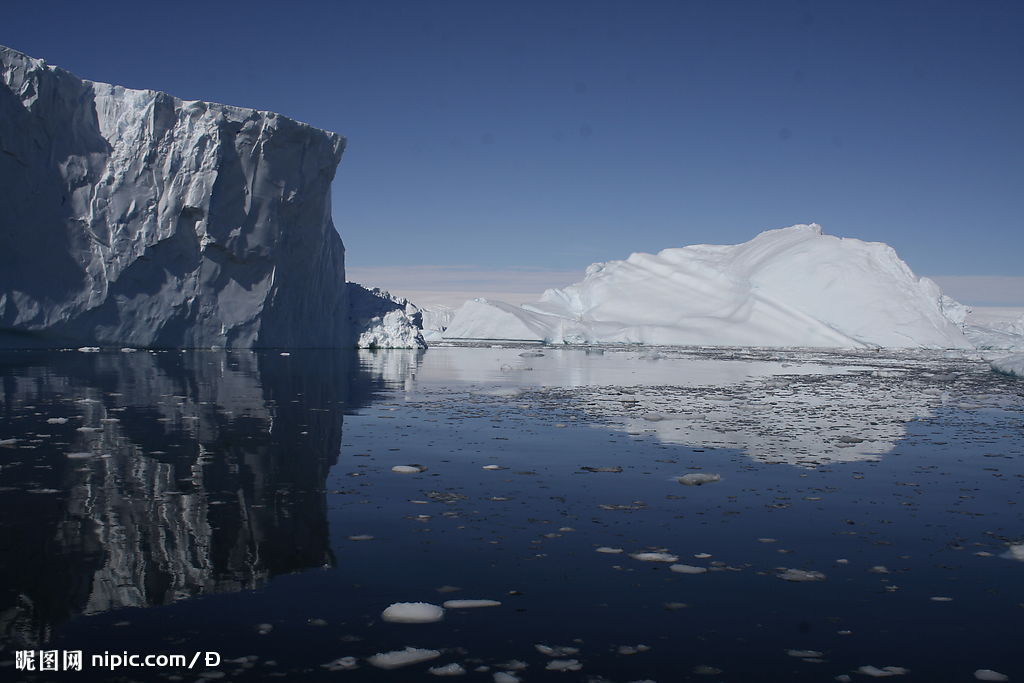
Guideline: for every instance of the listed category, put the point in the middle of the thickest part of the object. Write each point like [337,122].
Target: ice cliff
[131,217]
[789,287]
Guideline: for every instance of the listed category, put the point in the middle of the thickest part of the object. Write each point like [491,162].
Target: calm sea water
[245,504]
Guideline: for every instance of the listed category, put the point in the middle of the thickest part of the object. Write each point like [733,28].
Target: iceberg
[134,218]
[1012,365]
[790,287]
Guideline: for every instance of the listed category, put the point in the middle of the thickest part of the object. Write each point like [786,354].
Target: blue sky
[549,135]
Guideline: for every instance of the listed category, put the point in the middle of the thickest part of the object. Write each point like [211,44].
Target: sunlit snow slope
[788,287]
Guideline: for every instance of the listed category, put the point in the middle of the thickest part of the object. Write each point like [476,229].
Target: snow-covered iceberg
[788,287]
[1012,365]
[134,218]
[383,321]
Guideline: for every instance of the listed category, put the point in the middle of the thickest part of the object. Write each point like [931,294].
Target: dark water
[219,502]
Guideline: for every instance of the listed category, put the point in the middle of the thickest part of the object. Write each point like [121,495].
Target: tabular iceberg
[789,287]
[134,218]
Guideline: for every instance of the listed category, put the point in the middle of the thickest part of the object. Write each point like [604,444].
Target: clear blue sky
[554,134]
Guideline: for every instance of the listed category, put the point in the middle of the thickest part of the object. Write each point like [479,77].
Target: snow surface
[788,287]
[1010,365]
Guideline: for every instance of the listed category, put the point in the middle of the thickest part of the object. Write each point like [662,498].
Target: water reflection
[139,479]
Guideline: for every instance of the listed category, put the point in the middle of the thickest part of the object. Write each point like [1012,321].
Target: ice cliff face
[788,287]
[131,217]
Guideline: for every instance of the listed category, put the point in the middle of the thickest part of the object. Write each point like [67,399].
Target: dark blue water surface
[175,502]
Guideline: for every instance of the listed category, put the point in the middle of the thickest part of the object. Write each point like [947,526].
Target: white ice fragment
[361,537]
[408,469]
[688,569]
[1010,365]
[800,575]
[505,677]
[884,672]
[513,665]
[556,650]
[398,658]
[470,604]
[609,551]
[453,669]
[56,420]
[89,349]
[698,479]
[879,569]
[940,598]
[564,665]
[492,467]
[1015,552]
[341,664]
[990,675]
[654,557]
[413,613]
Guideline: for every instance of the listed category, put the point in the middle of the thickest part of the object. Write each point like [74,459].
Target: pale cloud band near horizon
[452,285]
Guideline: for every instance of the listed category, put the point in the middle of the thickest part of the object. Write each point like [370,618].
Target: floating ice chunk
[879,569]
[1010,365]
[804,654]
[884,672]
[79,455]
[361,537]
[631,649]
[56,420]
[800,575]
[557,650]
[990,675]
[453,669]
[413,613]
[492,467]
[399,658]
[705,670]
[264,629]
[702,556]
[341,664]
[408,469]
[505,677]
[564,665]
[1015,552]
[513,665]
[940,598]
[589,468]
[609,551]
[688,569]
[470,604]
[89,349]
[655,557]
[698,479]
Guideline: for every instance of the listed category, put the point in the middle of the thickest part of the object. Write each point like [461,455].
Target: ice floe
[413,613]
[399,658]
[470,604]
